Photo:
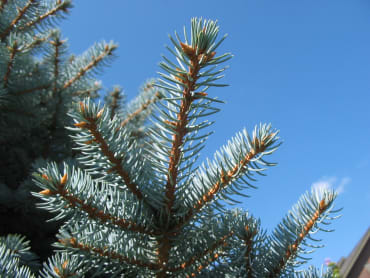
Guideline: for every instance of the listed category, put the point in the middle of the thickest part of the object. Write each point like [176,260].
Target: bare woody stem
[111,255]
[93,212]
[108,50]
[292,248]
[13,24]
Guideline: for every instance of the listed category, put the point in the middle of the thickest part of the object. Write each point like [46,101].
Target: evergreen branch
[93,212]
[110,255]
[200,257]
[38,40]
[2,4]
[57,43]
[20,248]
[292,249]
[180,121]
[143,107]
[253,151]
[60,6]
[64,266]
[227,177]
[180,132]
[294,231]
[164,246]
[210,260]
[88,92]
[108,50]
[19,16]
[116,96]
[180,129]
[92,127]
[13,51]
[30,90]
[248,242]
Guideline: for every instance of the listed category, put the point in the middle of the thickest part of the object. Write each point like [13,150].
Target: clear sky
[304,66]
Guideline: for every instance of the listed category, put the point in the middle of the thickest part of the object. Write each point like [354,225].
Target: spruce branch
[140,206]
[62,265]
[2,4]
[87,93]
[116,96]
[239,158]
[19,16]
[16,259]
[248,239]
[107,50]
[13,50]
[106,253]
[292,234]
[94,212]
[143,107]
[56,43]
[60,6]
[198,259]
[58,49]
[31,90]
[91,124]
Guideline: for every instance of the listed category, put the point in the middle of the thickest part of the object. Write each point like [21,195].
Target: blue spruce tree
[137,203]
[38,82]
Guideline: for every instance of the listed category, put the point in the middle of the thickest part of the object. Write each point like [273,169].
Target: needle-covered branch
[48,13]
[93,127]
[290,239]
[73,201]
[98,55]
[106,253]
[13,51]
[241,157]
[20,14]
[136,201]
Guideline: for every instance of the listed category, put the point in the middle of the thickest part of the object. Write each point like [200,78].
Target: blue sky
[304,66]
